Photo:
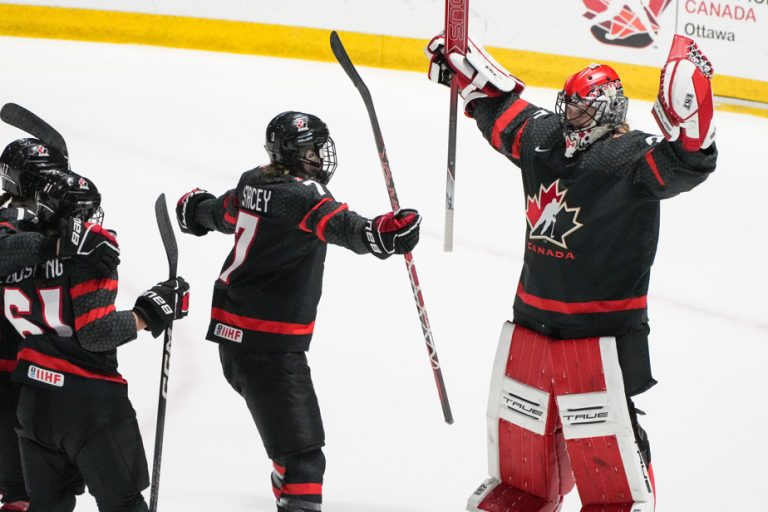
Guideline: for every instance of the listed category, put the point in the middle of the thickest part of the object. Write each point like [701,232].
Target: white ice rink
[142,120]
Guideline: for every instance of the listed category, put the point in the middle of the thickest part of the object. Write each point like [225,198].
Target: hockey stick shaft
[172,253]
[349,68]
[456,14]
[23,119]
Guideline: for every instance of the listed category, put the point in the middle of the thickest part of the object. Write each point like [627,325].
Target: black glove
[90,243]
[185,212]
[163,303]
[392,233]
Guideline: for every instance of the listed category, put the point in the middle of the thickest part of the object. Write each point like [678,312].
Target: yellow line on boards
[536,69]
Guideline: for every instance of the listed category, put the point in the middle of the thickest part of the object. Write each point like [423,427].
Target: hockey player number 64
[245,232]
[18,305]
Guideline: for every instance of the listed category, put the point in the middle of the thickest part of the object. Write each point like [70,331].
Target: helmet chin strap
[578,140]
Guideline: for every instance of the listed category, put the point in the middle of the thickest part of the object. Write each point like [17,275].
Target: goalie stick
[23,119]
[172,253]
[341,55]
[456,13]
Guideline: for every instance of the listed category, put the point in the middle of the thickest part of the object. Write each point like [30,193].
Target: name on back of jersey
[53,268]
[255,199]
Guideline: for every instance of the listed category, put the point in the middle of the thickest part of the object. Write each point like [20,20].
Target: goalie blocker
[553,423]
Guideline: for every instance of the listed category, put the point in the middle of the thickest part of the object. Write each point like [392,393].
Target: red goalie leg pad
[526,454]
[504,498]
[610,472]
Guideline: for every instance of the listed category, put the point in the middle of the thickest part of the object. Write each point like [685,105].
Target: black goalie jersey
[592,220]
[64,314]
[267,294]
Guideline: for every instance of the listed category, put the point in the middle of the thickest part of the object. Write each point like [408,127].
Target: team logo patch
[631,23]
[45,376]
[228,333]
[83,184]
[301,124]
[40,151]
[549,216]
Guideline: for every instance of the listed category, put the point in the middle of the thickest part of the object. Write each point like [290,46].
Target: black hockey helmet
[22,163]
[301,142]
[62,195]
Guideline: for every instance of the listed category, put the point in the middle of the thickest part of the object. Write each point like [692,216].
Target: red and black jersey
[13,255]
[592,220]
[64,313]
[267,294]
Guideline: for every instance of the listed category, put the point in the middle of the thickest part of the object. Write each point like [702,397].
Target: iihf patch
[45,376]
[228,333]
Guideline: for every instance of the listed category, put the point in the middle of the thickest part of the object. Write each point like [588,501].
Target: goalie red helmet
[302,143]
[591,105]
[22,163]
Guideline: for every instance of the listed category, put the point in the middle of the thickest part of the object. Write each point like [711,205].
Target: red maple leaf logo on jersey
[549,216]
[625,22]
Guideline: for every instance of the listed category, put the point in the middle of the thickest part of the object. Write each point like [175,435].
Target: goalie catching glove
[684,107]
[477,73]
[162,304]
[392,233]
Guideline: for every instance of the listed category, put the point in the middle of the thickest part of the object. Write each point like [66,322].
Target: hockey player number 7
[245,232]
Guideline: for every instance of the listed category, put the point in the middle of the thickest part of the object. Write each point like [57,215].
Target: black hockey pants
[70,439]
[11,476]
[278,389]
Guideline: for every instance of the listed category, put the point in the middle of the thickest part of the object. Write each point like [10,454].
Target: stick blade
[346,63]
[166,233]
[23,119]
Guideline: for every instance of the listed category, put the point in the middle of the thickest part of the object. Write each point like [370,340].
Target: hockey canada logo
[301,124]
[549,216]
[40,151]
[632,23]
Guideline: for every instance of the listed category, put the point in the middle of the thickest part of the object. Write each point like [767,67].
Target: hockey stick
[455,41]
[23,119]
[172,252]
[346,63]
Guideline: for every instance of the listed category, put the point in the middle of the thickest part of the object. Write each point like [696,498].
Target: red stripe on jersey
[320,229]
[62,365]
[516,144]
[92,286]
[280,469]
[504,120]
[7,365]
[256,324]
[303,223]
[97,228]
[303,489]
[92,316]
[578,308]
[8,225]
[654,168]
[228,217]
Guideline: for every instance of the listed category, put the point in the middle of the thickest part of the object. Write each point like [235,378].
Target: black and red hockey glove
[185,211]
[392,233]
[90,243]
[162,304]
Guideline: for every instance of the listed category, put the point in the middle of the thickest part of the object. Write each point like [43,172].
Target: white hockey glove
[478,74]
[684,106]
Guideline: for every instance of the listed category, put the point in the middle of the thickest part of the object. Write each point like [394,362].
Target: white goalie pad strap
[604,414]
